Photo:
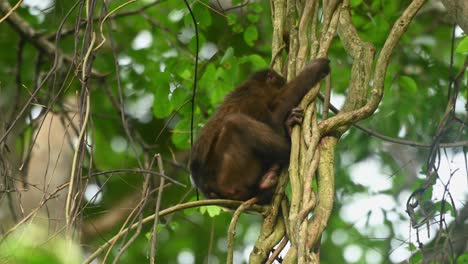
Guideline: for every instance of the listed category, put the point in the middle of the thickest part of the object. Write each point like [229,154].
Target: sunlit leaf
[211,210]
[162,107]
[408,84]
[250,35]
[462,47]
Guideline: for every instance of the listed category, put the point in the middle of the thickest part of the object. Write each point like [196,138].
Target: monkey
[241,150]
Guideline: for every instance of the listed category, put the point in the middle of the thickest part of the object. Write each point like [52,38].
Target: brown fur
[239,153]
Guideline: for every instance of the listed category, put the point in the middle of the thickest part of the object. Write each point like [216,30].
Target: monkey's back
[249,99]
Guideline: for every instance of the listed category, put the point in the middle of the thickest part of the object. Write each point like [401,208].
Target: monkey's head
[270,77]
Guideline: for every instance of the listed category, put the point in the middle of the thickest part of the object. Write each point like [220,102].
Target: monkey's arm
[291,95]
[258,136]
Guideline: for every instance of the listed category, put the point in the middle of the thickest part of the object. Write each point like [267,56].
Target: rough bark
[458,11]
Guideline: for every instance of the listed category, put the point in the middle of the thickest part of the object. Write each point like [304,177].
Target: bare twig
[232,227]
[11,11]
[149,219]
[156,211]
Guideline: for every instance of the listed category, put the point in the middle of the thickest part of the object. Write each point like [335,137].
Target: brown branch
[399,141]
[96,19]
[11,11]
[154,237]
[137,171]
[232,227]
[398,29]
[326,191]
[279,17]
[30,34]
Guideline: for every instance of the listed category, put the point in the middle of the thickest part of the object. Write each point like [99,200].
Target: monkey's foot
[270,178]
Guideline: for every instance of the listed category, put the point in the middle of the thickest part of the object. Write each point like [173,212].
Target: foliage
[148,63]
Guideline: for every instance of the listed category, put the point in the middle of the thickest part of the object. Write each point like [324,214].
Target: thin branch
[10,11]
[137,171]
[176,208]
[154,237]
[397,31]
[232,227]
[399,141]
[81,136]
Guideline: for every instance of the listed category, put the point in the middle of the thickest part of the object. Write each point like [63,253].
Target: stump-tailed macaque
[241,150]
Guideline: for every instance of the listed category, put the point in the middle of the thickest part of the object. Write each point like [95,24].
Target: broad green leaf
[227,55]
[253,18]
[447,208]
[462,47]
[250,35]
[359,21]
[218,89]
[416,258]
[237,28]
[179,96]
[256,7]
[162,106]
[257,61]
[208,77]
[355,3]
[203,16]
[232,19]
[376,4]
[463,259]
[185,74]
[181,134]
[409,84]
[193,42]
[412,247]
[212,210]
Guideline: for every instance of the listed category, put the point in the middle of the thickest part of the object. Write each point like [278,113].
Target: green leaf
[447,208]
[412,247]
[193,42]
[178,97]
[181,134]
[355,3]
[227,55]
[462,47]
[463,259]
[212,210]
[209,76]
[217,90]
[257,61]
[256,7]
[202,15]
[376,4]
[409,84]
[359,21]
[416,258]
[185,74]
[162,107]
[250,35]
[237,28]
[253,18]
[232,19]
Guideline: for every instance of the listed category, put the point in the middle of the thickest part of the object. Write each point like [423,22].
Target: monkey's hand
[294,118]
